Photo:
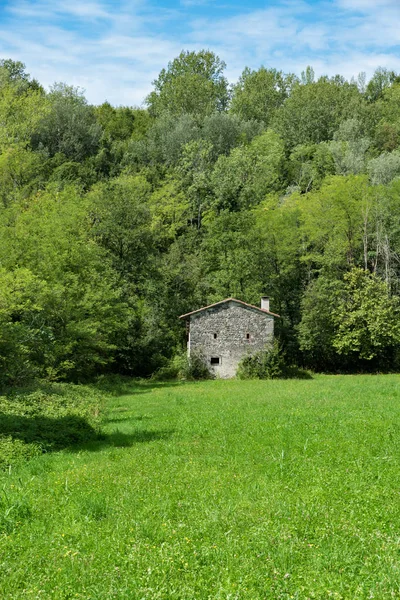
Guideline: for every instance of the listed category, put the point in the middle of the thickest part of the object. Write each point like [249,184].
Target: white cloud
[334,39]
[115,53]
[367,5]
[47,9]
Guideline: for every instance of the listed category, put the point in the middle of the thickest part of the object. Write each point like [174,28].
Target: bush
[171,370]
[195,367]
[267,364]
[185,368]
[46,419]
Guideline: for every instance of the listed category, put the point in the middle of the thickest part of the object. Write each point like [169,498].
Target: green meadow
[215,490]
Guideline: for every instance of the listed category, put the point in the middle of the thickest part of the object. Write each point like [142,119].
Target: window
[247,336]
[215,336]
[214,360]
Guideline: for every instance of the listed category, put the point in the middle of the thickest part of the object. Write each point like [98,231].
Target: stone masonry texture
[229,332]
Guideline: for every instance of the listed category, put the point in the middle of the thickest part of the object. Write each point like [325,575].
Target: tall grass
[216,490]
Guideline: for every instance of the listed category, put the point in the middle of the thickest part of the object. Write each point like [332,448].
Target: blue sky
[114,49]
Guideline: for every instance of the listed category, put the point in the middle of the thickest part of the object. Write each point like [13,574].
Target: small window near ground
[214,360]
[215,336]
[247,336]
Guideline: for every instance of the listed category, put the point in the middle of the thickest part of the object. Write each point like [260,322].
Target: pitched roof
[194,312]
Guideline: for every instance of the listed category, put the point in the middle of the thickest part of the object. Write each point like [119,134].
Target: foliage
[266,364]
[193,83]
[114,220]
[70,126]
[181,367]
[60,311]
[164,140]
[13,72]
[22,173]
[309,164]
[367,318]
[21,112]
[121,223]
[314,111]
[249,173]
[317,328]
[355,318]
[48,418]
[384,168]
[258,94]
[117,123]
[381,80]
[193,367]
[349,148]
[225,131]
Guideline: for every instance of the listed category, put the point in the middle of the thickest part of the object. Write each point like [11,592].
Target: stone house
[227,331]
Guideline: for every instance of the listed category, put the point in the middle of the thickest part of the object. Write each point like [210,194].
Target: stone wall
[229,332]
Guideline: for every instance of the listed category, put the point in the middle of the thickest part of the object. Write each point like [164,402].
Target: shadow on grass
[51,433]
[123,386]
[297,373]
[125,419]
[71,431]
[119,439]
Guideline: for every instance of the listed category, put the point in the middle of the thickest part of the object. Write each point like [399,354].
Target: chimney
[265,303]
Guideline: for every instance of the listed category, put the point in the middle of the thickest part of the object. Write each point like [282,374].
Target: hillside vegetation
[115,220]
[215,490]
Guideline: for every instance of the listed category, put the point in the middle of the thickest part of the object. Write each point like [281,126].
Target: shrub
[186,368]
[195,367]
[170,371]
[43,420]
[266,364]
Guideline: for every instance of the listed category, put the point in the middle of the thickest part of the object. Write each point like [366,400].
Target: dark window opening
[215,336]
[215,360]
[247,336]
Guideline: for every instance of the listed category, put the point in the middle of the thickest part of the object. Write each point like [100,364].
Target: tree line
[115,220]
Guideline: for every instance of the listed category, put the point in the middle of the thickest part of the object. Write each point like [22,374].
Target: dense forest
[115,220]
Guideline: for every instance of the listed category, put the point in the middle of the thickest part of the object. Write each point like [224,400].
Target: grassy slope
[220,490]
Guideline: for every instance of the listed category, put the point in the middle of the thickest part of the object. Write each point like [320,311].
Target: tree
[243,178]
[22,172]
[384,168]
[308,76]
[122,122]
[381,80]
[165,140]
[121,224]
[314,111]
[231,257]
[116,123]
[14,73]
[387,131]
[317,329]
[349,148]
[367,319]
[193,83]
[21,112]
[336,222]
[61,311]
[225,131]
[258,94]
[70,126]
[170,211]
[350,321]
[309,164]
[194,175]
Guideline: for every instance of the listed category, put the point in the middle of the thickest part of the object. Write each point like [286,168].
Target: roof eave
[199,310]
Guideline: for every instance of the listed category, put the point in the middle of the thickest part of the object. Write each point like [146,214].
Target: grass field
[216,490]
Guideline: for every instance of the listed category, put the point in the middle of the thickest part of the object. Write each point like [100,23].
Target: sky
[114,49]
